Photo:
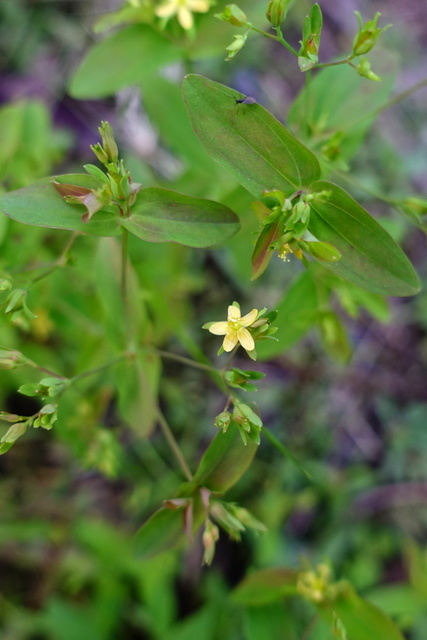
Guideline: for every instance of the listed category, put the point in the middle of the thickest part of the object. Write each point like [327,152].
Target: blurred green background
[352,408]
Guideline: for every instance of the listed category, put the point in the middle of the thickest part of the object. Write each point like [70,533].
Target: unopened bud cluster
[115,186]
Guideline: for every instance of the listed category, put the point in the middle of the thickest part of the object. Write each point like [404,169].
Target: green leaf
[370,258]
[247,140]
[11,436]
[164,530]
[28,144]
[262,252]
[109,299]
[311,32]
[268,621]
[138,386]
[334,336]
[123,59]
[361,619]
[163,102]
[266,585]
[40,205]
[297,312]
[225,460]
[161,215]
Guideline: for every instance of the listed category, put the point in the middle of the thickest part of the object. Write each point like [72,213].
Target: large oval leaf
[40,205]
[121,60]
[225,460]
[161,215]
[247,140]
[370,257]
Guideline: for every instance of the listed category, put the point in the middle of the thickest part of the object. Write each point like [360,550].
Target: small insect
[245,100]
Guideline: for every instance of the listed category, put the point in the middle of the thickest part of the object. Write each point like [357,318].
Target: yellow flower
[183,10]
[234,329]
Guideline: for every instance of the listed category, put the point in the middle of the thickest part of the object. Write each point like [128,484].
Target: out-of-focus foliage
[344,390]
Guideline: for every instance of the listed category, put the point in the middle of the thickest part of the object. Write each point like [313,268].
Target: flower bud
[234,15]
[364,69]
[47,417]
[110,146]
[311,32]
[5,284]
[100,153]
[222,421]
[234,47]
[367,35]
[10,359]
[210,536]
[276,12]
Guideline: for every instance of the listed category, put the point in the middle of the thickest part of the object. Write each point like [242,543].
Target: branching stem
[59,262]
[170,438]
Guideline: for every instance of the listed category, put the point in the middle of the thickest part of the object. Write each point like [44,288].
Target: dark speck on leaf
[245,100]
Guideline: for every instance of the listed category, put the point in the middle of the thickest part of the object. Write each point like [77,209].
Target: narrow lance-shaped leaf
[225,460]
[370,258]
[262,252]
[247,140]
[41,205]
[161,215]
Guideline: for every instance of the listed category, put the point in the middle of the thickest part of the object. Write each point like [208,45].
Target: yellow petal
[233,312]
[166,10]
[245,339]
[185,18]
[219,328]
[249,318]
[230,341]
[198,5]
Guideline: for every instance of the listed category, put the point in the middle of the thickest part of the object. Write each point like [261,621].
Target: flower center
[234,324]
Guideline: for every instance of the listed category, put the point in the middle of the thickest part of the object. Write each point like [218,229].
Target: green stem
[229,359]
[191,363]
[48,371]
[217,375]
[307,100]
[284,451]
[198,356]
[390,103]
[59,262]
[322,65]
[167,432]
[123,285]
[362,187]
[92,372]
[263,33]
[277,38]
[403,95]
[286,44]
